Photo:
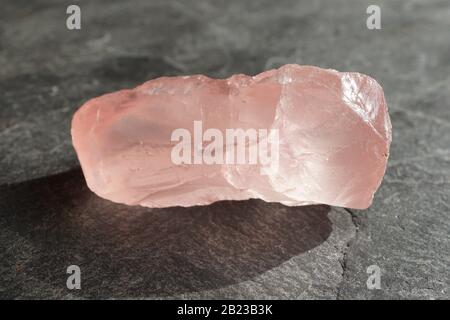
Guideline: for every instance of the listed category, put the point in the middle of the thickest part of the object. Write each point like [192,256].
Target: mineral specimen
[296,135]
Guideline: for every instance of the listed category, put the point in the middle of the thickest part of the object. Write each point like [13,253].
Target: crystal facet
[333,135]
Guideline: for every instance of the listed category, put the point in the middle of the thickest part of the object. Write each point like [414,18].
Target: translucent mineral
[297,135]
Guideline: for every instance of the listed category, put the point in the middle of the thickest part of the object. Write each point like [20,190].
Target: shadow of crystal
[140,252]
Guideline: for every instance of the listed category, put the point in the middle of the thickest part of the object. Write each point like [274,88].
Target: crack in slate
[357,223]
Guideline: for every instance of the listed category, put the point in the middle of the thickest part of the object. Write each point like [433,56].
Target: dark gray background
[248,249]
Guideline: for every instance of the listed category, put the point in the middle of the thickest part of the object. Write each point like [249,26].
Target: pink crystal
[333,131]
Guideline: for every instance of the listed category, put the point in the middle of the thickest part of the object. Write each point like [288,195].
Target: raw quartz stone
[333,132]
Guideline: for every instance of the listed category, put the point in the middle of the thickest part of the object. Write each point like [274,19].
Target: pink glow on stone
[334,137]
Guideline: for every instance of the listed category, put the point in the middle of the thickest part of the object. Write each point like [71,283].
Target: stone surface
[55,221]
[314,136]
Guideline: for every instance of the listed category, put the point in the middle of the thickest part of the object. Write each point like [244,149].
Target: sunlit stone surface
[334,136]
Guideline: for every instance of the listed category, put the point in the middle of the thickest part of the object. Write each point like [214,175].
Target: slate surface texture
[248,249]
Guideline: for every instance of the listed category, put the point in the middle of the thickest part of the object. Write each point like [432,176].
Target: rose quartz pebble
[331,132]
